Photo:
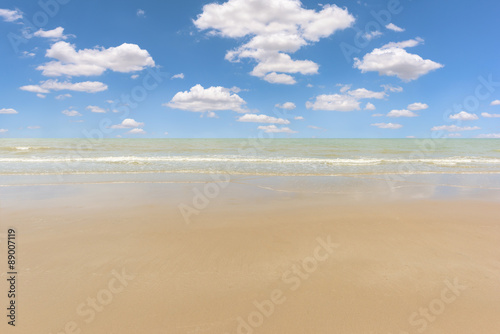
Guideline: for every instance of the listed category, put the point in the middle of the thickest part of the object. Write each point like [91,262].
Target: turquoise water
[249,156]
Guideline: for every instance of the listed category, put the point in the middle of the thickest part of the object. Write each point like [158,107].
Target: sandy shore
[121,258]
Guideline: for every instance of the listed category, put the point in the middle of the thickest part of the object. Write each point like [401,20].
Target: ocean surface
[320,157]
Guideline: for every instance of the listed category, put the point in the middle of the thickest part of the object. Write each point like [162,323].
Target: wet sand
[257,257]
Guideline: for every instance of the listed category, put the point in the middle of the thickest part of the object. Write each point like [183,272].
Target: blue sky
[241,68]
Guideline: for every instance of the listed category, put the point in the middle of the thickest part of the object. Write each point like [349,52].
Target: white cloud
[199,99]
[464,116]
[363,93]
[127,124]
[454,128]
[310,86]
[344,88]
[371,35]
[284,79]
[3,130]
[316,127]
[334,102]
[34,127]
[286,105]
[137,132]
[275,28]
[124,58]
[63,96]
[96,109]
[393,60]
[134,76]
[210,114]
[178,76]
[370,106]
[488,115]
[417,106]
[298,118]
[41,96]
[28,54]
[262,119]
[141,13]
[404,44]
[392,89]
[8,111]
[392,126]
[71,113]
[401,113]
[54,85]
[10,15]
[495,103]
[54,34]
[454,135]
[393,27]
[275,129]
[489,135]
[377,115]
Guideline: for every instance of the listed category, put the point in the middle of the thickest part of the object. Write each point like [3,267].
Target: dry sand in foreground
[294,265]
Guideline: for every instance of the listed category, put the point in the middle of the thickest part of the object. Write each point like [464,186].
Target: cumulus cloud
[393,27]
[141,13]
[363,93]
[10,15]
[371,35]
[63,96]
[401,113]
[334,102]
[262,119]
[8,111]
[495,103]
[393,60]
[488,115]
[71,113]
[464,116]
[124,58]
[96,109]
[454,128]
[489,135]
[276,29]
[3,130]
[210,114]
[370,106]
[286,105]
[417,106]
[54,34]
[136,132]
[298,118]
[134,76]
[393,126]
[128,123]
[392,89]
[54,85]
[275,129]
[316,127]
[377,115]
[199,99]
[178,76]
[454,135]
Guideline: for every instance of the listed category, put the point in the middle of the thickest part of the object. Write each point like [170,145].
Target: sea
[249,156]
